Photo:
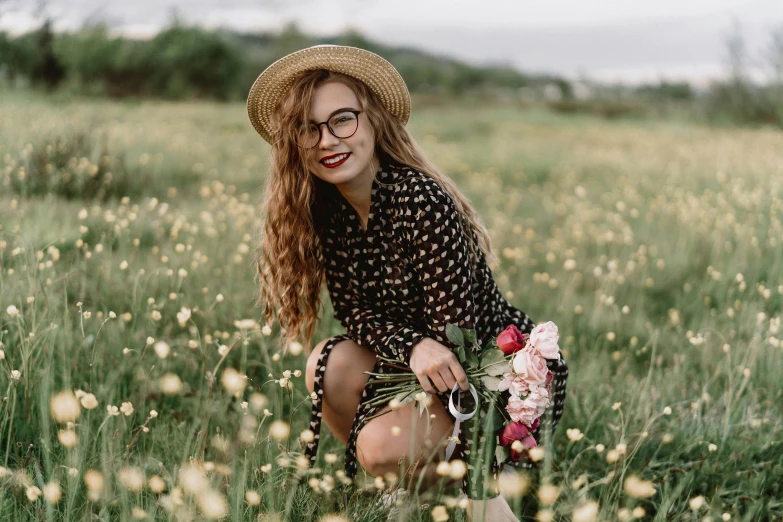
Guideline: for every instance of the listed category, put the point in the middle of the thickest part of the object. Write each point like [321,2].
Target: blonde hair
[290,265]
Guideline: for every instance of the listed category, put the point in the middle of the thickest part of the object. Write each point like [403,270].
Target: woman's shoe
[494,510]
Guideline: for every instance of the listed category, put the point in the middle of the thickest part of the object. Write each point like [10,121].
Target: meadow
[137,382]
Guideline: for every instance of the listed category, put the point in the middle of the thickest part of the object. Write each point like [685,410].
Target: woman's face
[357,151]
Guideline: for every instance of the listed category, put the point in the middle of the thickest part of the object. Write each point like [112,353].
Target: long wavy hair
[290,264]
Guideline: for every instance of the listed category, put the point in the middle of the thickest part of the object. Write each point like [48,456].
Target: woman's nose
[326,139]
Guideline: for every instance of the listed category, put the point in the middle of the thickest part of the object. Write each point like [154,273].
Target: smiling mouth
[335,161]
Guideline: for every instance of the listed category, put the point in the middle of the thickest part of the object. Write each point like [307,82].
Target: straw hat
[378,74]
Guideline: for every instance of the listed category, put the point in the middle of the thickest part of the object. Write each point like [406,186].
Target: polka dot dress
[404,279]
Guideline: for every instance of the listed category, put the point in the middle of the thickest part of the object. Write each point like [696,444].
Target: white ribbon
[459,416]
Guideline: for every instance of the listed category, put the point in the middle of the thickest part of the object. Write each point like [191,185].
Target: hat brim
[378,74]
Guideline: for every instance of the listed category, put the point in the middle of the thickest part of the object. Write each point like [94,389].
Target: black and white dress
[404,279]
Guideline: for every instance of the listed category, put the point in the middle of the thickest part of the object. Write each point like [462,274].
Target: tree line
[185,62]
[191,62]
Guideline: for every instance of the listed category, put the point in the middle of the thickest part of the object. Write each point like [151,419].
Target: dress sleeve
[440,258]
[364,323]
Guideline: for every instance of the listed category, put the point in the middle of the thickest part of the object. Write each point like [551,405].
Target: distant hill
[421,70]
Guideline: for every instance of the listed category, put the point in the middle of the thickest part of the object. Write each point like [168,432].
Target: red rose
[511,340]
[516,431]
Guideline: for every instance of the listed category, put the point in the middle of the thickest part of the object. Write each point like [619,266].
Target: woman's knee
[347,363]
[372,452]
[378,459]
[384,443]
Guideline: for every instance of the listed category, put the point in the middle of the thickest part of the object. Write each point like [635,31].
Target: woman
[351,198]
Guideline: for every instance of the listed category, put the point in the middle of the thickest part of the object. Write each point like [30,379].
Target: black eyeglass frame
[331,131]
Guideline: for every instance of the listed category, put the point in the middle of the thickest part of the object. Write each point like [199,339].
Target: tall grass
[656,247]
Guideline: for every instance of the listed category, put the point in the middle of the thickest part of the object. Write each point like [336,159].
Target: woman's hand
[435,364]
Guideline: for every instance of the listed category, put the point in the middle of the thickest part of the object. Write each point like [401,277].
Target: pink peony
[514,383]
[540,397]
[511,340]
[544,338]
[549,377]
[529,409]
[529,365]
[521,410]
[518,431]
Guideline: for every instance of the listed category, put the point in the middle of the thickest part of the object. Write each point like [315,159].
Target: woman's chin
[337,176]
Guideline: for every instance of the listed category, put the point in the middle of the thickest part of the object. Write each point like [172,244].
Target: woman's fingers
[437,380]
[460,375]
[425,383]
[448,378]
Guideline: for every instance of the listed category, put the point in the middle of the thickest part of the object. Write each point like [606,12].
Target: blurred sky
[625,40]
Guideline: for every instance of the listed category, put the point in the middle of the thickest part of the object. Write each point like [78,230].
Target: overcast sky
[630,40]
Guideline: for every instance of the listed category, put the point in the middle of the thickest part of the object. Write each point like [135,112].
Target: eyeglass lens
[341,125]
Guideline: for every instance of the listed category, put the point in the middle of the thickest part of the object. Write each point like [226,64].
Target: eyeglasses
[342,125]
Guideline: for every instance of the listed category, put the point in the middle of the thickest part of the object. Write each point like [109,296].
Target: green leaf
[454,334]
[471,360]
[469,335]
[495,362]
[492,421]
[502,453]
[491,382]
[405,397]
[461,355]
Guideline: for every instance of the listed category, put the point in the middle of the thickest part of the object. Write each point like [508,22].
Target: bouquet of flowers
[509,380]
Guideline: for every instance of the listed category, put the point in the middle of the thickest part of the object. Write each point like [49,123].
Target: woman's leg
[377,449]
[419,446]
[343,383]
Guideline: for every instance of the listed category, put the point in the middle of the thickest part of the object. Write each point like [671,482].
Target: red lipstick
[345,156]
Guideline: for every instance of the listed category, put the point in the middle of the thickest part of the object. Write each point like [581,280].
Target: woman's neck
[358,192]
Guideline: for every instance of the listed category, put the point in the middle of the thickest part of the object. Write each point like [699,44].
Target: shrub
[742,103]
[609,109]
[65,167]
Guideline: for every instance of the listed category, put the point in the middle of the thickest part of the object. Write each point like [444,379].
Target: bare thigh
[343,384]
[378,450]
[420,439]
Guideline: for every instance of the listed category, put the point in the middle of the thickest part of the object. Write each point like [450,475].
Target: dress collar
[388,173]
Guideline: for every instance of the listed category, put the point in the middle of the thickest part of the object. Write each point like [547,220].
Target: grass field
[655,246]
